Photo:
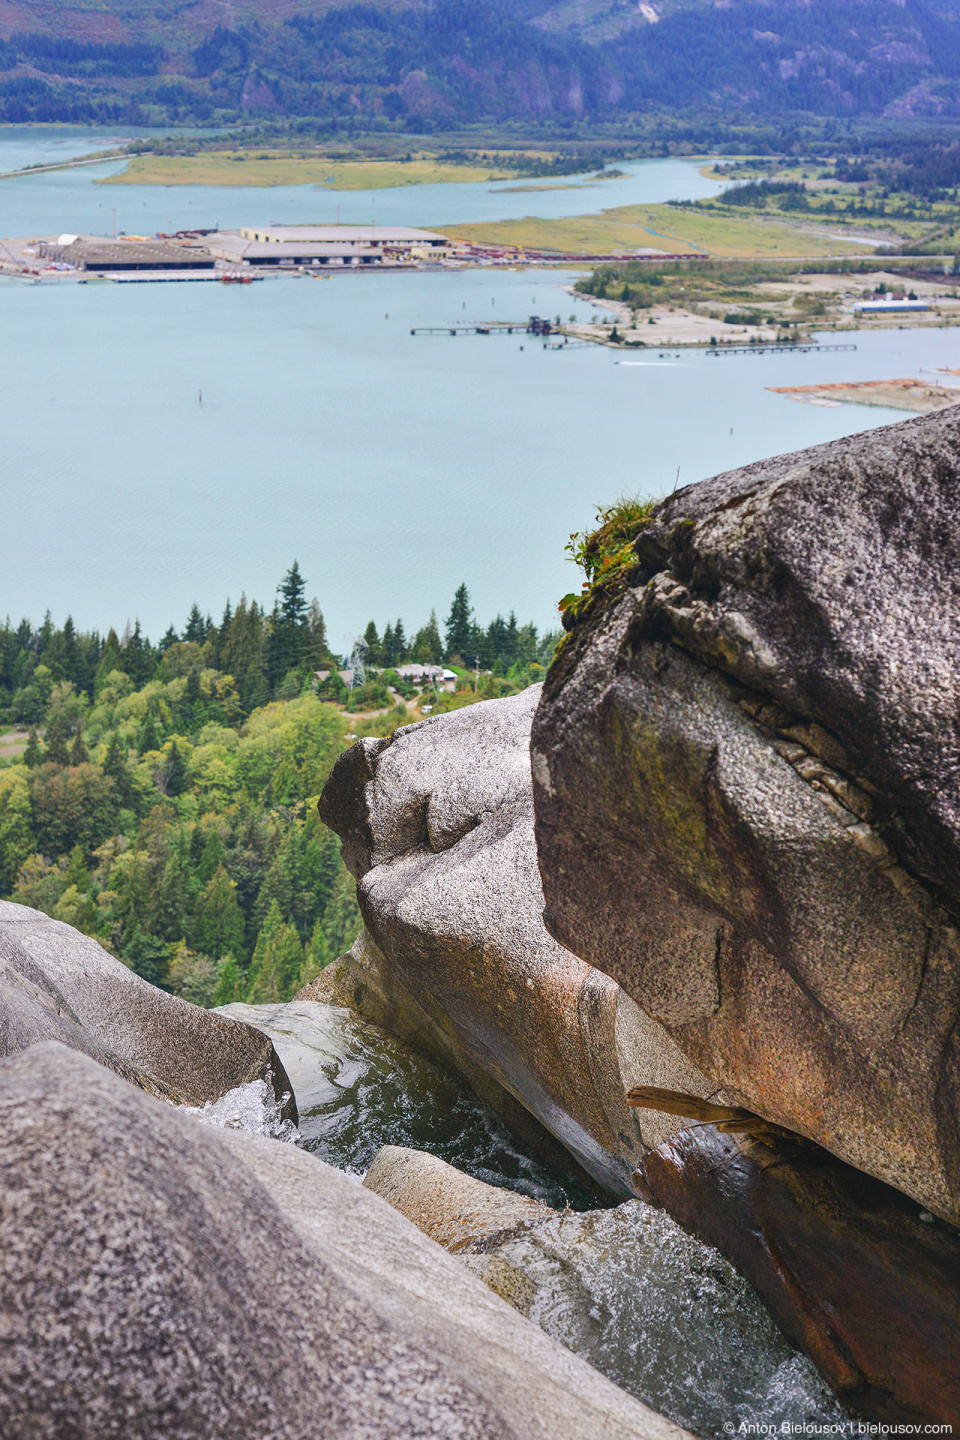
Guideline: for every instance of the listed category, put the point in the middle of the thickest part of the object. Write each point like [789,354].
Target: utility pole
[476,680]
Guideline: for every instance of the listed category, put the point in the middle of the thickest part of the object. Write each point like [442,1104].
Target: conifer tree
[196,626]
[110,660]
[211,857]
[140,660]
[176,894]
[341,919]
[220,925]
[229,982]
[175,777]
[276,963]
[149,739]
[115,765]
[293,606]
[290,629]
[319,654]
[427,646]
[387,646]
[45,634]
[459,625]
[374,647]
[242,654]
[32,755]
[55,742]
[79,755]
[71,653]
[315,956]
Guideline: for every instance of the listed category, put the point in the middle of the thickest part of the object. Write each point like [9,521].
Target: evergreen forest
[162,798]
[441,64]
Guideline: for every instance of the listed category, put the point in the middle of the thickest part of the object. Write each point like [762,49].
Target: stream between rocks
[655,1310]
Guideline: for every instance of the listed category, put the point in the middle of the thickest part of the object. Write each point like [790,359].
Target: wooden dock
[792,349]
[534,326]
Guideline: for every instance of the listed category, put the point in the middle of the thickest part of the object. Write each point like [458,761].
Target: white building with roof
[363,243]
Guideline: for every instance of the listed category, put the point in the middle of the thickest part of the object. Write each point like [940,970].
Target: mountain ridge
[440,63]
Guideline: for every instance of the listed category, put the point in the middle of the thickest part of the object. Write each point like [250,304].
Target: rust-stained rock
[747,786]
[857,1275]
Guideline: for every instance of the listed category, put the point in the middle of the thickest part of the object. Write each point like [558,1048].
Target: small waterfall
[252,1107]
[359,1089]
[661,1314]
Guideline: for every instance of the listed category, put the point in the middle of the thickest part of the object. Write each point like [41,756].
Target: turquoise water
[22,145]
[72,200]
[391,466]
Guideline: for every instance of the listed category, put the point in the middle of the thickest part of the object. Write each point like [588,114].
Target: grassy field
[661,227]
[264,168]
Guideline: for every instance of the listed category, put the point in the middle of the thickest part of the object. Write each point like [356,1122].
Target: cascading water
[657,1311]
[358,1089]
[668,1319]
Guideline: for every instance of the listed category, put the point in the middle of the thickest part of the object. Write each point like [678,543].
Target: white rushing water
[253,1107]
[654,1309]
[667,1318]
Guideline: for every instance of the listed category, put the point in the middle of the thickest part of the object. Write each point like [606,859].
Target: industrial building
[329,245]
[112,256]
[359,237]
[293,247]
[894,306]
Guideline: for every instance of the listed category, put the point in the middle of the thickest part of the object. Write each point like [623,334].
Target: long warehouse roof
[328,234]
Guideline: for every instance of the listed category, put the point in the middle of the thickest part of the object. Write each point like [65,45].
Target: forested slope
[166,799]
[440,63]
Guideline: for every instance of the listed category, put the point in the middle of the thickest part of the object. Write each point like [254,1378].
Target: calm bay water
[391,466]
[72,200]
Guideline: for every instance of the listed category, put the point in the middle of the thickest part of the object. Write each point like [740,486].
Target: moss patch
[605,554]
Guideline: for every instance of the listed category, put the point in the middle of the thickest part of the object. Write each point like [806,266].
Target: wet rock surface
[452,1208]
[865,1281]
[653,1308]
[437,825]
[159,1277]
[57,984]
[747,788]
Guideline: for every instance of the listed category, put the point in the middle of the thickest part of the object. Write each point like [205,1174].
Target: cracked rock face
[747,787]
[437,826]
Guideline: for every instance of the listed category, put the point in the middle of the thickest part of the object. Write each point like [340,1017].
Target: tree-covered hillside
[165,800]
[404,63]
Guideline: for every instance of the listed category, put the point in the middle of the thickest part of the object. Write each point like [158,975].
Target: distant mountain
[440,63]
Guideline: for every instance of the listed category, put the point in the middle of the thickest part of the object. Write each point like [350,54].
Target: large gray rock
[437,826]
[160,1278]
[747,782]
[56,984]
